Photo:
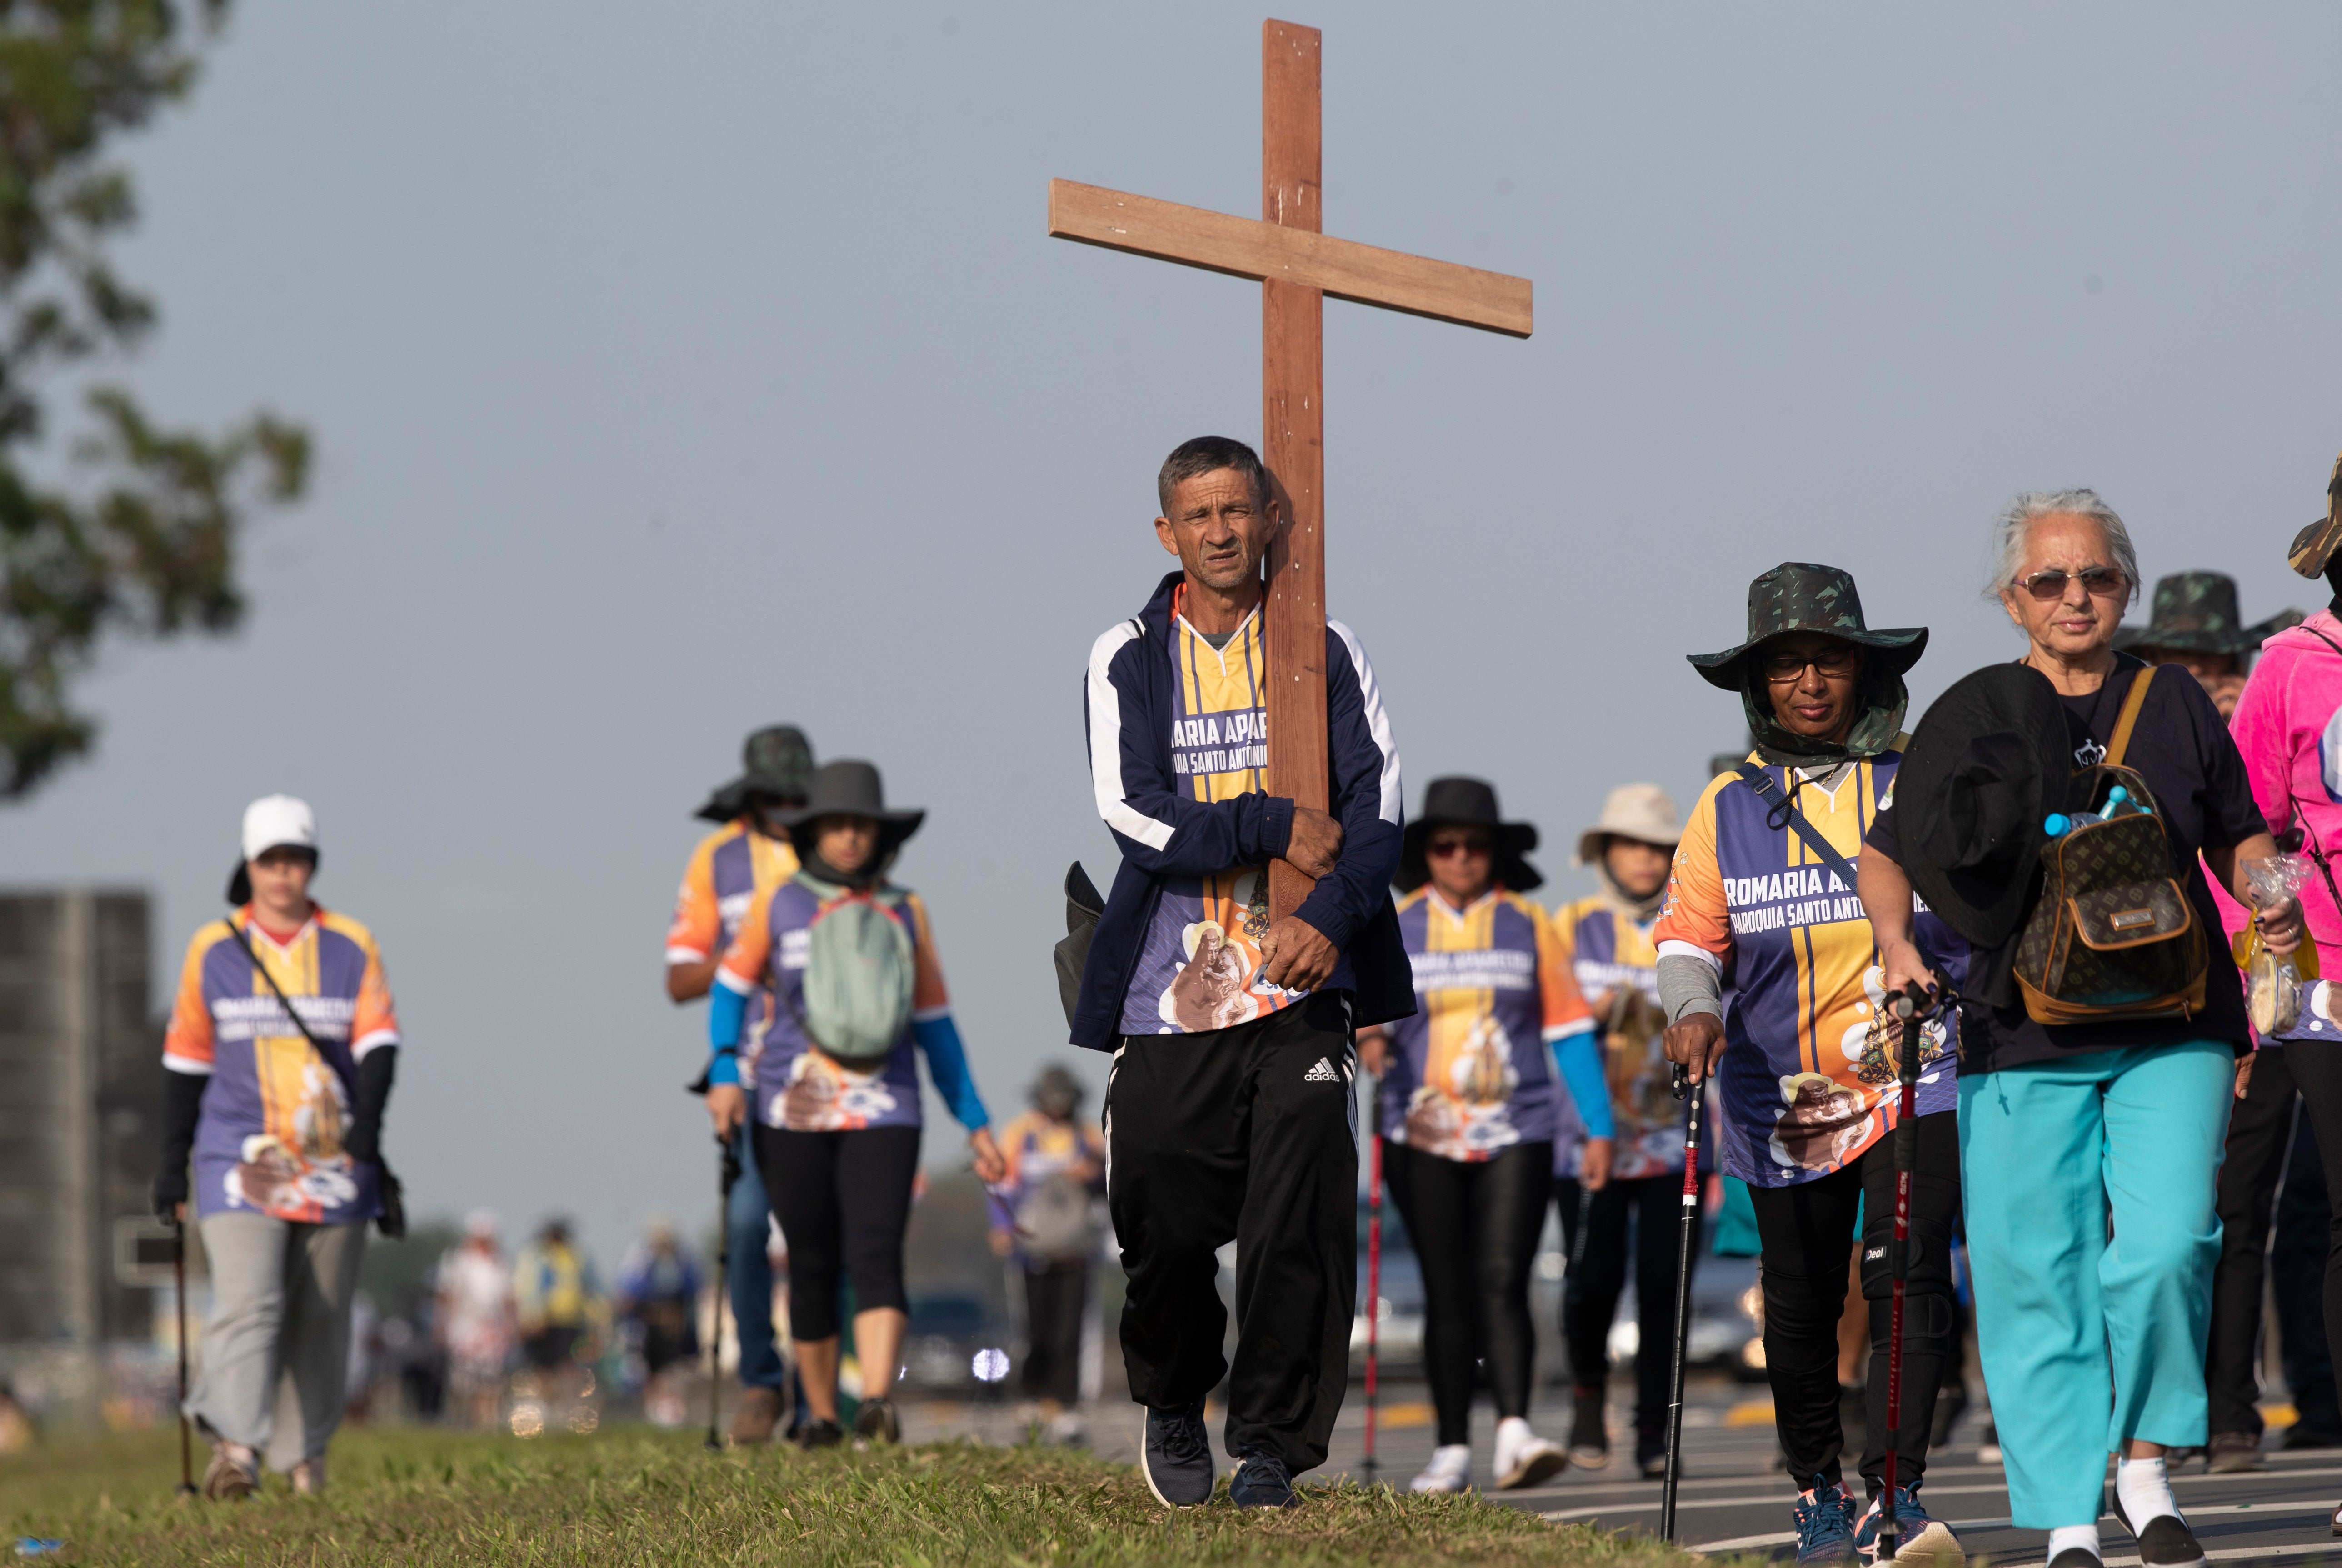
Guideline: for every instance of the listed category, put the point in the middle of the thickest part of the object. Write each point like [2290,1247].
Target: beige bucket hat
[1638,811]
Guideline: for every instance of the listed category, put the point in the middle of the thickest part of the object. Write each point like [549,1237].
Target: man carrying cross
[1229,1113]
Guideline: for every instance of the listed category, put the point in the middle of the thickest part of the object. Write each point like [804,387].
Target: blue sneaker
[1920,1541]
[1175,1456]
[1261,1481]
[1825,1526]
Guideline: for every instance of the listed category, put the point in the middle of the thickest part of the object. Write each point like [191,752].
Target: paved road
[1735,1498]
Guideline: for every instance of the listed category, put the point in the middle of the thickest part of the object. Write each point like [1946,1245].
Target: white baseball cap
[277,821]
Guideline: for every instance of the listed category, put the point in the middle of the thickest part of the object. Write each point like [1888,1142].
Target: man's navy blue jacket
[1130,699]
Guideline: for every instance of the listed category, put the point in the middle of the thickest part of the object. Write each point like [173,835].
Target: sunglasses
[1840,660]
[2102,583]
[1441,848]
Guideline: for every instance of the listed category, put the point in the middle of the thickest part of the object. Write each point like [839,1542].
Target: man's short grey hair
[2014,527]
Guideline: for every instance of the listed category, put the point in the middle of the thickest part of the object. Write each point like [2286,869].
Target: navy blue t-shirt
[2181,746]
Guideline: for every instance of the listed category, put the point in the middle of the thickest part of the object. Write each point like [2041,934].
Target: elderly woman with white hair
[2091,1342]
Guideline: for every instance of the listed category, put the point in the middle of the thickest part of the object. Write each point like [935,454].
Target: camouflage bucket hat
[777,760]
[1798,596]
[2315,545]
[2195,613]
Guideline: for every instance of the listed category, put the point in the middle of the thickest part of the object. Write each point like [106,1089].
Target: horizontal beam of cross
[1248,248]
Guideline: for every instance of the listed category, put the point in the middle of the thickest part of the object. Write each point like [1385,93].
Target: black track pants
[2316,1070]
[1053,1331]
[2259,1126]
[1474,1225]
[1245,1135]
[1805,1232]
[1589,1301]
[843,1200]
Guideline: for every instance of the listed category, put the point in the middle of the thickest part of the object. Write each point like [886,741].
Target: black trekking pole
[1690,1094]
[728,1172]
[179,1294]
[1911,1007]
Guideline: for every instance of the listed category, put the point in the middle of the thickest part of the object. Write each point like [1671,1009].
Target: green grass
[639,1496]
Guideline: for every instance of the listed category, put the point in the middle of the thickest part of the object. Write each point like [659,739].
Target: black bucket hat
[848,789]
[1467,803]
[1799,596]
[775,762]
[2195,613]
[1991,759]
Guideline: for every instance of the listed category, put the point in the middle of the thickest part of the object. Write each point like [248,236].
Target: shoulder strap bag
[392,1221]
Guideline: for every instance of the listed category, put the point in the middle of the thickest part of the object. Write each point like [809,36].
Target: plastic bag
[2273,983]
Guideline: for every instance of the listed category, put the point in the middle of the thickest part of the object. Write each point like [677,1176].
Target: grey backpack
[855,1001]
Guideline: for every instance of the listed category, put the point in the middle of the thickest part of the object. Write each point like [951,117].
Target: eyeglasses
[1837,659]
[2103,582]
[1441,848]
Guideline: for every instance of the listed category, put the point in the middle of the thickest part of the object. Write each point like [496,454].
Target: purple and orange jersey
[1617,967]
[269,1139]
[1808,1074]
[719,884]
[1200,967]
[797,1085]
[1471,1073]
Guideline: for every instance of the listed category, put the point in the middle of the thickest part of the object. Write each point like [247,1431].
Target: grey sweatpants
[275,1354]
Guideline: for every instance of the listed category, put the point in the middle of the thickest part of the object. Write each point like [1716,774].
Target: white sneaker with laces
[1450,1470]
[1523,1458]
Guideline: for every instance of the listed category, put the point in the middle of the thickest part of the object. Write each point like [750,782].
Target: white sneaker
[1523,1458]
[1450,1470]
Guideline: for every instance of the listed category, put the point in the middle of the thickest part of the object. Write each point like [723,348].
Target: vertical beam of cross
[1293,437]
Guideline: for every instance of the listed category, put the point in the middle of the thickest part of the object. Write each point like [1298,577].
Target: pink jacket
[2288,725]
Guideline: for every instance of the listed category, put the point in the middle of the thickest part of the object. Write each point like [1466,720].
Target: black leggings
[1805,1232]
[1475,1226]
[841,1198]
[2318,1073]
[1598,1273]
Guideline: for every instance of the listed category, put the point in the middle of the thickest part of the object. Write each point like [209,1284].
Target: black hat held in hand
[1988,762]
[1466,803]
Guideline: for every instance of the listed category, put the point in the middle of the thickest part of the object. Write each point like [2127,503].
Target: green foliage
[140,535]
[636,1496]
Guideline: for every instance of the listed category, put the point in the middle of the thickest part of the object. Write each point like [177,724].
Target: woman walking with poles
[2078,1110]
[1763,894]
[281,1048]
[852,966]
[1606,939]
[1472,1108]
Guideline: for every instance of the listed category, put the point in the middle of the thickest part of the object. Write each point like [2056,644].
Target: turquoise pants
[2089,1341]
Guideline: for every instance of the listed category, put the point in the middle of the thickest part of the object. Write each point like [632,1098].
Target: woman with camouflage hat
[1805,1061]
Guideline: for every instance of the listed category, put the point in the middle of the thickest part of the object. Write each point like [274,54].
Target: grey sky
[678,369]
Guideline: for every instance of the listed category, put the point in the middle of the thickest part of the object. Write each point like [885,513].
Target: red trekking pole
[1374,1274]
[1690,1094]
[1910,1007]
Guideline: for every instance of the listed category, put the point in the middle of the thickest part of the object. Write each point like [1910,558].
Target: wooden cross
[1297,266]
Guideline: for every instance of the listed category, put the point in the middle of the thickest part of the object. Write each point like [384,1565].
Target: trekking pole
[1911,1007]
[1690,1094]
[179,1295]
[728,1173]
[1374,1274]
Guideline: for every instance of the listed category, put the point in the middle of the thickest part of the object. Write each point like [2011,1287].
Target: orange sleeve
[928,997]
[187,1043]
[1695,911]
[375,1020]
[743,968]
[1566,1012]
[692,935]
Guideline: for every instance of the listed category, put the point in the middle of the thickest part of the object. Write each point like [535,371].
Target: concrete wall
[81,1092]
